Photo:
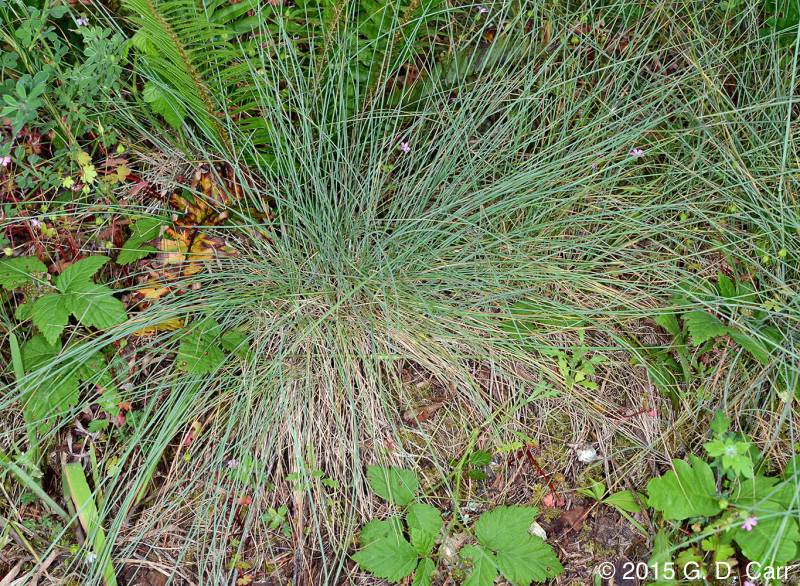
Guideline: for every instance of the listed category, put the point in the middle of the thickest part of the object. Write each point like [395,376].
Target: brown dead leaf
[422,414]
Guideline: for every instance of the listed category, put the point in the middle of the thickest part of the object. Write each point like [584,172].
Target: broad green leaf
[395,485]
[520,557]
[38,351]
[59,393]
[423,576]
[389,557]
[16,271]
[625,500]
[775,538]
[379,529]
[484,567]
[50,316]
[424,523]
[528,560]
[726,286]
[78,491]
[95,306]
[79,273]
[136,247]
[687,491]
[753,345]
[164,104]
[702,326]
[199,352]
[669,322]
[504,526]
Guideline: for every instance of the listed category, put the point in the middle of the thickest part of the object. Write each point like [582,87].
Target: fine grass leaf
[484,566]
[50,316]
[423,575]
[392,558]
[687,491]
[16,271]
[395,485]
[79,273]
[702,326]
[424,523]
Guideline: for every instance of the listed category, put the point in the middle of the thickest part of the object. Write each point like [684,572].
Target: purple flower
[79,22]
[636,153]
[233,463]
[482,10]
[4,161]
[749,523]
[405,147]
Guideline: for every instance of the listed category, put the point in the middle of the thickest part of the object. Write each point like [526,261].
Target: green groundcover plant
[232,230]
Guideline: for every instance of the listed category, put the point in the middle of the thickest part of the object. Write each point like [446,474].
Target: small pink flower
[79,22]
[652,413]
[405,147]
[4,161]
[482,10]
[749,523]
[748,583]
[636,153]
[233,463]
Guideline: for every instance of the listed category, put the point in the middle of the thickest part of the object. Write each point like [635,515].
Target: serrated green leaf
[380,529]
[687,491]
[16,271]
[38,351]
[752,344]
[702,326]
[136,246]
[389,558]
[484,567]
[726,286]
[95,306]
[199,353]
[56,394]
[395,485]
[423,575]
[50,316]
[24,311]
[528,560]
[424,523]
[79,273]
[504,526]
[164,104]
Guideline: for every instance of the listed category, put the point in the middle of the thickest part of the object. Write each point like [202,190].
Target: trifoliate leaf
[528,560]
[687,491]
[50,316]
[38,351]
[424,523]
[79,273]
[378,529]
[484,566]
[16,271]
[164,104]
[503,526]
[392,558]
[519,556]
[395,485]
[423,575]
[136,247]
[95,306]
